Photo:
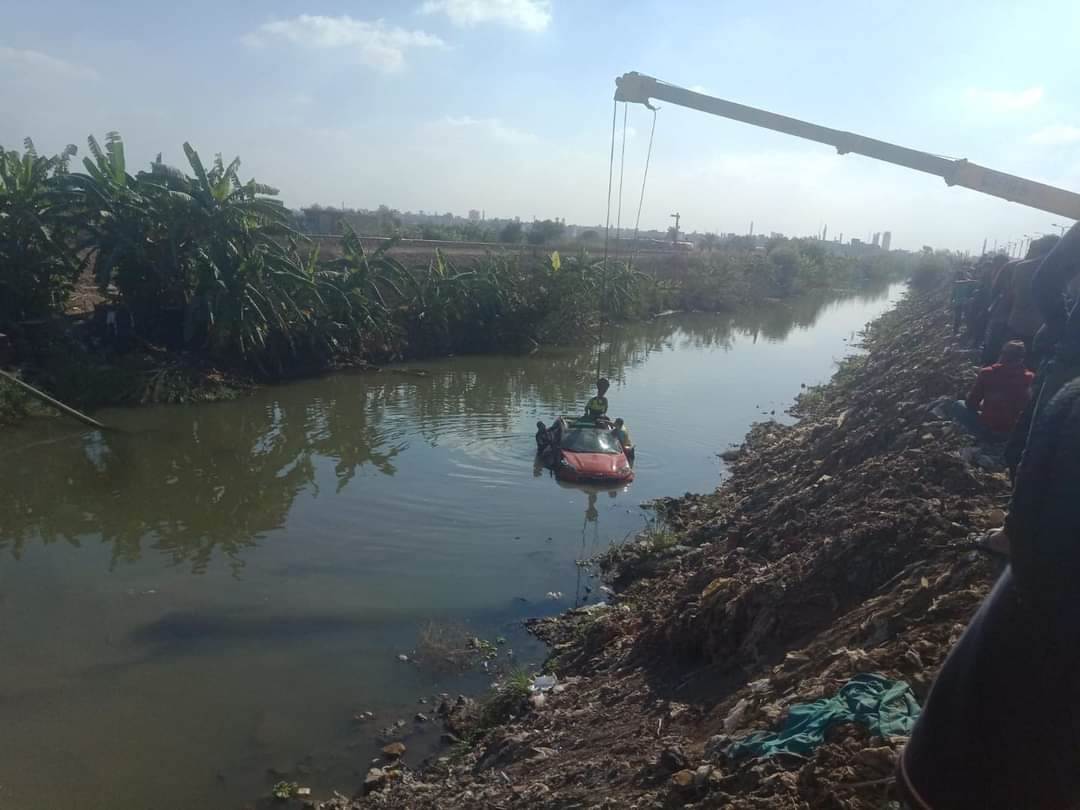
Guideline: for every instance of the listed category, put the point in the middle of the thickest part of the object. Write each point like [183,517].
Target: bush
[931,270]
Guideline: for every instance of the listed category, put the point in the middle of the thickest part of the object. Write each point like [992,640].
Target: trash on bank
[887,708]
[543,683]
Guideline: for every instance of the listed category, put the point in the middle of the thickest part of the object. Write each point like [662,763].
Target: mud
[843,544]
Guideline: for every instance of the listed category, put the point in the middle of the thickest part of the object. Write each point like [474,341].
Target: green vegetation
[37,265]
[725,277]
[284,790]
[508,699]
[206,264]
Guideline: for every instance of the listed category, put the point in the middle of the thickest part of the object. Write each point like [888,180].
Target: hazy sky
[506,105]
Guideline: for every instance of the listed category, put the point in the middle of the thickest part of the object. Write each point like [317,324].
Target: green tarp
[886,707]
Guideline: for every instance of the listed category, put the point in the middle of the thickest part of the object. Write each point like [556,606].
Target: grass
[508,699]
[657,536]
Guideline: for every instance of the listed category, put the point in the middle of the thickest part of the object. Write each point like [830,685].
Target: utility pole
[675,237]
[984,246]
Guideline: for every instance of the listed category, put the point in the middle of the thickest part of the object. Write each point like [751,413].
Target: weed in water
[284,790]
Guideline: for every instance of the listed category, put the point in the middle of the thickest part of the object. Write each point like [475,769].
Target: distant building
[876,241]
[474,215]
[886,240]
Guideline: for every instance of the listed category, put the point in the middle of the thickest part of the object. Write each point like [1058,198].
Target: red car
[588,454]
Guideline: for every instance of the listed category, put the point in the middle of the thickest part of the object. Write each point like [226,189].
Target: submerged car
[586,453]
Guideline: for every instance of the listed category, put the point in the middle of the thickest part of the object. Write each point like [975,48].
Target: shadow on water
[189,482]
[179,632]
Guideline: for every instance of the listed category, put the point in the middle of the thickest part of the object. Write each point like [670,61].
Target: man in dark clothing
[1001,391]
[997,326]
[1025,317]
[963,289]
[1057,343]
[979,308]
[1001,726]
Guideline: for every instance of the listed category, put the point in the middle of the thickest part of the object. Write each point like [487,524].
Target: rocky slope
[841,545]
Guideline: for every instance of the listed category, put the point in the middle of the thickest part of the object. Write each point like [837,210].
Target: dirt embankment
[841,545]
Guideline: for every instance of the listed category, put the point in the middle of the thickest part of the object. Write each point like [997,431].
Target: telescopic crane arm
[638,88]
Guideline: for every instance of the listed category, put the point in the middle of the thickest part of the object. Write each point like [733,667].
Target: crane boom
[638,88]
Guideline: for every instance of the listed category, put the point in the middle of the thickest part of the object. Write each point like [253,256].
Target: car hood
[612,464]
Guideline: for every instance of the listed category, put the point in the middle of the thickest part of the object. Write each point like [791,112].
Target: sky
[506,105]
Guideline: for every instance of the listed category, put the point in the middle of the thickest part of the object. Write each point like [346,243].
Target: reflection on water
[327,519]
[186,482]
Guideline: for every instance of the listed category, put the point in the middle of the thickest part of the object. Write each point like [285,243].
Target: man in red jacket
[1001,391]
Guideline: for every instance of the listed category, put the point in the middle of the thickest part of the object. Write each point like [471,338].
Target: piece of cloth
[597,406]
[885,707]
[1000,394]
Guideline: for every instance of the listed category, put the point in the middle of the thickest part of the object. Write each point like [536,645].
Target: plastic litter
[543,683]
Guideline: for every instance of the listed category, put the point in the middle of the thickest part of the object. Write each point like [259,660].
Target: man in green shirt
[598,405]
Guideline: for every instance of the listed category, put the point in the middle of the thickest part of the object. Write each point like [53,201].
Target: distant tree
[545,231]
[476,232]
[672,233]
[785,263]
[511,233]
[590,235]
[709,241]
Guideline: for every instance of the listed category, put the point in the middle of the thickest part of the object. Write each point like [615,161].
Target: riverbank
[72,358]
[841,545]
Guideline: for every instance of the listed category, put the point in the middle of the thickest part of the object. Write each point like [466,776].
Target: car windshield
[590,440]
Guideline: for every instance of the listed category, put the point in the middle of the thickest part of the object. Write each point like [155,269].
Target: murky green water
[215,590]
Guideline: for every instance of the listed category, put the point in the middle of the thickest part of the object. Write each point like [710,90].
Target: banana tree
[245,292]
[364,289]
[441,298]
[37,262]
[125,232]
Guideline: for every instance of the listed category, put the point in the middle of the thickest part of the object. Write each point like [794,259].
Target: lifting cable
[607,227]
[618,214]
[622,168]
[618,233]
[641,200]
